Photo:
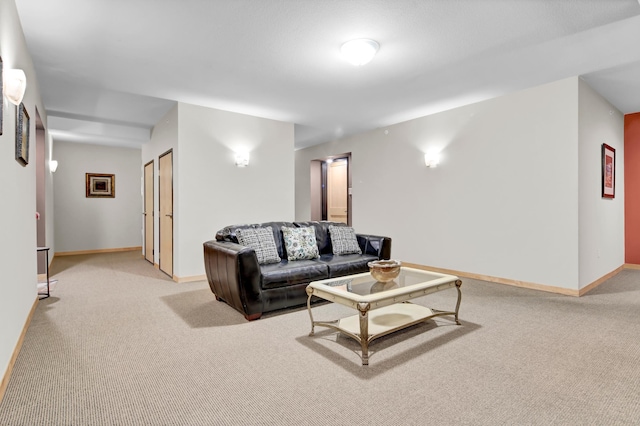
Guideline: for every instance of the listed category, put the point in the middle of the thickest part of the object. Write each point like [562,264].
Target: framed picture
[608,171]
[22,135]
[100,185]
[1,96]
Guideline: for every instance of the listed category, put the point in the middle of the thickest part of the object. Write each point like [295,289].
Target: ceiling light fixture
[360,51]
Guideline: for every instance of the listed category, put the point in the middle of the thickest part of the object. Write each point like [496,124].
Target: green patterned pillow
[300,243]
[344,240]
[261,240]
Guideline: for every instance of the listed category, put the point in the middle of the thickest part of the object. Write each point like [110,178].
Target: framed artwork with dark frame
[100,185]
[22,135]
[608,171]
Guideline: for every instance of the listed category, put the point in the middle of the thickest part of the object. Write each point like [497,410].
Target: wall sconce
[242,159]
[53,166]
[15,84]
[431,159]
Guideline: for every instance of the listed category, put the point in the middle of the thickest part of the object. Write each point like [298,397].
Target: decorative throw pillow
[343,240]
[261,240]
[300,243]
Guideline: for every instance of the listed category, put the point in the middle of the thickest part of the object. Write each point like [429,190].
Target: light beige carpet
[118,343]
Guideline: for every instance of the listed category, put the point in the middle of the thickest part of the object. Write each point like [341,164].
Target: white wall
[210,192]
[18,193]
[502,203]
[601,219]
[83,223]
[213,192]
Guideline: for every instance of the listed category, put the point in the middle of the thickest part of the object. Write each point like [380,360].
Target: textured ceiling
[110,69]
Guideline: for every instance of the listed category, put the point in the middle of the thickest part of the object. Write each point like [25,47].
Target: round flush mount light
[360,51]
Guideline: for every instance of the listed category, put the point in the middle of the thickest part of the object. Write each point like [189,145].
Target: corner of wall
[632,187]
[601,220]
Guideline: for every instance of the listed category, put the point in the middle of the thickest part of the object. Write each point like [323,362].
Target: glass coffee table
[383,308]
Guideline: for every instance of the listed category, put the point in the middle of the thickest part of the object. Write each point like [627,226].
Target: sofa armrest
[234,275]
[375,245]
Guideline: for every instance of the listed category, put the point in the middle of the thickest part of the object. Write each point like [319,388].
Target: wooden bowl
[384,270]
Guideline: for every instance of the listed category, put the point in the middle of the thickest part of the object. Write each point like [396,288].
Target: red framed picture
[608,171]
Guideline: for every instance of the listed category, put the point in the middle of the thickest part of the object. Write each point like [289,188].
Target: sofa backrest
[228,233]
[322,233]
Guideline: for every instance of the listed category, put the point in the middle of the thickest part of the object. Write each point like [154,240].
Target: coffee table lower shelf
[367,326]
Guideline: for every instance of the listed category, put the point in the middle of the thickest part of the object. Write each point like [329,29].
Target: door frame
[153,216]
[170,151]
[41,193]
[321,192]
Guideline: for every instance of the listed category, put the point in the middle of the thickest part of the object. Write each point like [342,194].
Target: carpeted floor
[118,343]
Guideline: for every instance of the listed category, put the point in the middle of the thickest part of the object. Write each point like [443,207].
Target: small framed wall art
[100,185]
[22,135]
[608,171]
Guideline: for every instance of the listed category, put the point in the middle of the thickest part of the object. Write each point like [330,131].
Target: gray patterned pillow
[300,243]
[343,240]
[261,240]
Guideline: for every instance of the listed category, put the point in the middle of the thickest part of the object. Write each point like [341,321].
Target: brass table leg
[310,292]
[363,309]
[458,284]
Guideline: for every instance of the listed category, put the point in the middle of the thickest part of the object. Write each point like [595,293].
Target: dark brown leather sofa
[236,277]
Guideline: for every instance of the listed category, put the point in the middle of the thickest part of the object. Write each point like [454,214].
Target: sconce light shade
[360,52]
[53,166]
[15,84]
[431,159]
[242,159]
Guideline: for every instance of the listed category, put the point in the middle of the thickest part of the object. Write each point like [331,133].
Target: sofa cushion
[300,243]
[347,264]
[261,240]
[322,233]
[287,273]
[343,240]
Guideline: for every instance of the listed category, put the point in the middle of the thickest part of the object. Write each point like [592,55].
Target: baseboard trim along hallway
[109,250]
[16,351]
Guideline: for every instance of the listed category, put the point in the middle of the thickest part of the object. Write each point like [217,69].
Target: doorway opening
[331,189]
[149,228]
[41,222]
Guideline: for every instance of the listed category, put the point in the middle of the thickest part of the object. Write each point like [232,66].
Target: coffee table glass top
[364,287]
